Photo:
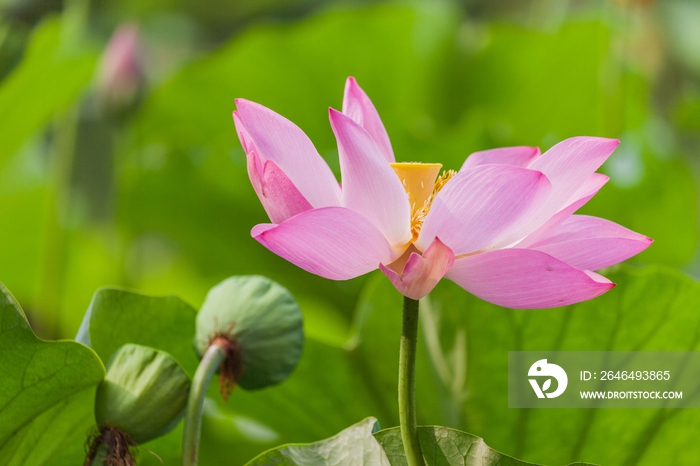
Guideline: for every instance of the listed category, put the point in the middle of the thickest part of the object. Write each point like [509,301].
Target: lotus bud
[121,76]
[259,323]
[143,394]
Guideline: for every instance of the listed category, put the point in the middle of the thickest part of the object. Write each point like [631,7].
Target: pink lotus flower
[502,227]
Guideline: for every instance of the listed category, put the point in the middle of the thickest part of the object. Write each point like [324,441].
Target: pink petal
[480,204]
[370,186]
[422,273]
[520,156]
[592,243]
[278,195]
[525,279]
[569,164]
[333,242]
[281,141]
[583,195]
[357,106]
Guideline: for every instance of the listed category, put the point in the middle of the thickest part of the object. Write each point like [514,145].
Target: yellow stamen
[419,180]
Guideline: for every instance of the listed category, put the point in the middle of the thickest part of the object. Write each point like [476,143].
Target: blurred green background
[147,188]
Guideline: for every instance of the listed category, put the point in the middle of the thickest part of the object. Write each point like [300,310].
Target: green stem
[210,362]
[407,383]
[101,456]
[57,238]
[53,273]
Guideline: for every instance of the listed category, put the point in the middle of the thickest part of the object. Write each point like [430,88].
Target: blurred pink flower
[502,227]
[121,75]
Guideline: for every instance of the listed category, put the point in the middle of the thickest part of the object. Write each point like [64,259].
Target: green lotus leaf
[263,317]
[443,446]
[143,394]
[46,392]
[354,446]
[363,445]
[117,317]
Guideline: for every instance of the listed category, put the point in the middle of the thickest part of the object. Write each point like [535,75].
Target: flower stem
[407,383]
[210,362]
[100,456]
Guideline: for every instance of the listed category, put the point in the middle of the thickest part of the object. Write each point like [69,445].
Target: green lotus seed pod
[143,394]
[262,319]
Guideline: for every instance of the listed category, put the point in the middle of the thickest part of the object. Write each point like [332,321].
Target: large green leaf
[354,446]
[117,317]
[443,446]
[44,83]
[46,392]
[363,445]
[56,437]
